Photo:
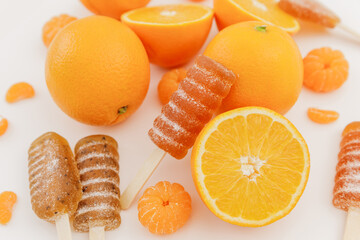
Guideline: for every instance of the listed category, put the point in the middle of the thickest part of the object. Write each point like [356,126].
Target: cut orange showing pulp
[228,12]
[250,166]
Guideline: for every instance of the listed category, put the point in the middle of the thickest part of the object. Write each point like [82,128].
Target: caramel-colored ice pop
[55,187]
[99,209]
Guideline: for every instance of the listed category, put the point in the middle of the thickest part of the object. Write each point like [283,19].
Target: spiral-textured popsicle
[198,97]
[55,187]
[347,179]
[98,162]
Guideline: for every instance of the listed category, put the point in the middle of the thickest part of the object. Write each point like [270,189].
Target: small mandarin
[325,70]
[19,91]
[3,125]
[164,208]
[322,116]
[53,26]
[169,84]
[7,201]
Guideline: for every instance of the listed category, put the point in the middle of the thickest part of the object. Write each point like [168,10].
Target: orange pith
[250,166]
[325,69]
[171,34]
[322,116]
[228,12]
[19,91]
[164,208]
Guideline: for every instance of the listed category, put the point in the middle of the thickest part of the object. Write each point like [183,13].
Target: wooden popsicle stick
[132,190]
[352,228]
[349,30]
[63,227]
[97,233]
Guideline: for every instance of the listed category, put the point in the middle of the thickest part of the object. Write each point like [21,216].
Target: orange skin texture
[113,8]
[268,64]
[322,116]
[3,125]
[172,45]
[169,84]
[53,26]
[7,201]
[164,208]
[325,70]
[96,67]
[19,91]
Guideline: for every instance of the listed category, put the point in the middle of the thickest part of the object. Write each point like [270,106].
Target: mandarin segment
[53,26]
[169,83]
[19,91]
[255,187]
[3,125]
[7,201]
[310,10]
[322,116]
[325,70]
[347,184]
[164,208]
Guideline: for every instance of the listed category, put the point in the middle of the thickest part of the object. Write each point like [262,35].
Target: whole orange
[113,8]
[97,71]
[268,64]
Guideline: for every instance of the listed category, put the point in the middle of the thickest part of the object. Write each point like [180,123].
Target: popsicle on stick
[98,163]
[54,181]
[314,11]
[198,97]
[347,180]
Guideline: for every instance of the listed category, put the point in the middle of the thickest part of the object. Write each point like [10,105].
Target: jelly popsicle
[310,10]
[98,162]
[198,97]
[347,179]
[55,187]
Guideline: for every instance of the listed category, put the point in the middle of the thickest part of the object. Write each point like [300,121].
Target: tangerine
[325,70]
[164,208]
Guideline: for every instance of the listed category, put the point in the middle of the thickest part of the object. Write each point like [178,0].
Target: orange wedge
[250,166]
[228,12]
[171,34]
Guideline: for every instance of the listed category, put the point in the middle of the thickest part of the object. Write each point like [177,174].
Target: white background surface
[22,56]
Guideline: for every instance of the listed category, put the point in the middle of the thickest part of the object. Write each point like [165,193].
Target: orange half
[250,166]
[172,34]
[228,12]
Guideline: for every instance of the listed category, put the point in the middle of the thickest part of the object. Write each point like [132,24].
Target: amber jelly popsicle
[55,187]
[314,11]
[192,106]
[347,180]
[98,163]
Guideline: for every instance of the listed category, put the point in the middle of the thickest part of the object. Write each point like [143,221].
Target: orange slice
[171,34]
[250,166]
[228,12]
